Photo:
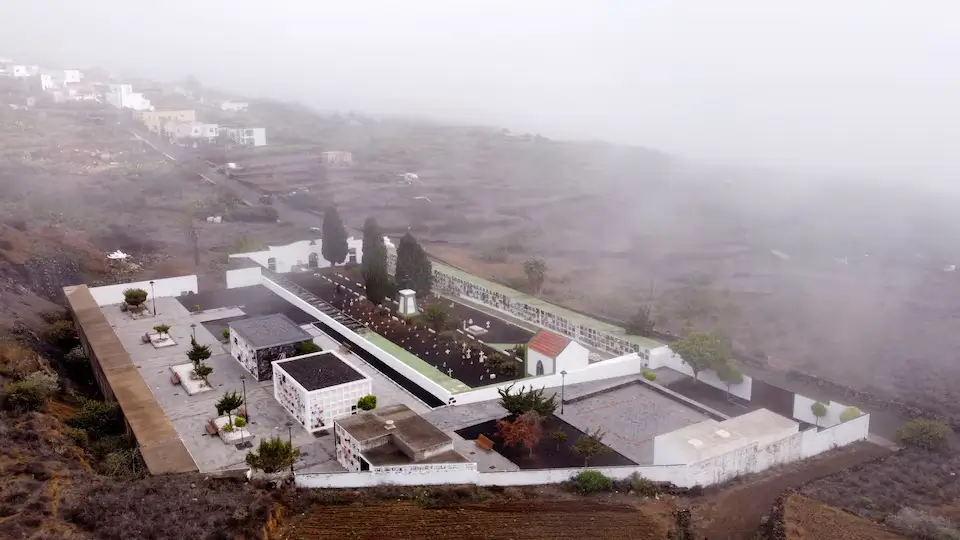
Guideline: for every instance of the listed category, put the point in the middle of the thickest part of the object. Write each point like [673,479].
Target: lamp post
[246,406]
[563,383]
[289,425]
[193,330]
[154,298]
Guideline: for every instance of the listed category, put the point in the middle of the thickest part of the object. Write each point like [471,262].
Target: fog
[860,88]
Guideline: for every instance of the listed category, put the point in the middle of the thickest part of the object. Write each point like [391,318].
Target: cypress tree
[414,270]
[374,263]
[334,248]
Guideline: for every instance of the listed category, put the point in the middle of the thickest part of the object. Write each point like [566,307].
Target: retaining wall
[243,277]
[175,286]
[816,441]
[802,411]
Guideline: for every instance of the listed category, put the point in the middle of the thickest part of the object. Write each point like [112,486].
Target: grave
[408,302]
[231,437]
[188,380]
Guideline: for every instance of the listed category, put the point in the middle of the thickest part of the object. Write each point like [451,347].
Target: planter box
[160,342]
[188,380]
[231,437]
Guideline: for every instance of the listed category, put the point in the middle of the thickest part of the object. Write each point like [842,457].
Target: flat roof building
[258,341]
[318,388]
[392,439]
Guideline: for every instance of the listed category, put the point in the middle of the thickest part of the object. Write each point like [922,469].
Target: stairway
[314,301]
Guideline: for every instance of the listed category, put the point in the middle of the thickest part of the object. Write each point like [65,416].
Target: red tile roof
[548,343]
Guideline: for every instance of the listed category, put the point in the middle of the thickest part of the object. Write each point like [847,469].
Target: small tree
[202,371]
[334,248]
[590,445]
[849,414]
[729,374]
[273,455]
[230,402]
[521,401]
[925,434]
[436,317]
[536,270]
[641,324]
[703,350]
[134,297]
[526,431]
[560,437]
[368,402]
[819,410]
[162,330]
[198,353]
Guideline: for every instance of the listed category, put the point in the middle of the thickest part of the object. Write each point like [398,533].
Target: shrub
[23,396]
[227,428]
[591,481]
[925,434]
[98,418]
[225,333]
[524,401]
[643,486]
[76,355]
[203,371]
[48,382]
[520,351]
[17,361]
[368,402]
[849,414]
[273,455]
[134,297]
[649,375]
[124,463]
[923,525]
[240,422]
[104,446]
[308,347]
[79,436]
[61,333]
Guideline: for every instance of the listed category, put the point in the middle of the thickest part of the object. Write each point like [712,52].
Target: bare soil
[808,519]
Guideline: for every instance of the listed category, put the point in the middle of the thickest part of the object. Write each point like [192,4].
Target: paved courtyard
[631,416]
[189,414]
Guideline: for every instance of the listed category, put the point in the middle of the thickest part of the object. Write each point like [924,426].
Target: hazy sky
[866,87]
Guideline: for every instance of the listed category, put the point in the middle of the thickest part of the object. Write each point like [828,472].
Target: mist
[860,89]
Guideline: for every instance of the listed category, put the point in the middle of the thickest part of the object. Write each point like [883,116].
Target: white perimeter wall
[749,459]
[802,411]
[298,252]
[664,357]
[175,286]
[243,277]
[407,371]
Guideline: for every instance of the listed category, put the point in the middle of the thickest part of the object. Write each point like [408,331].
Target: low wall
[415,376]
[243,277]
[175,286]
[802,411]
[630,364]
[816,441]
[659,358]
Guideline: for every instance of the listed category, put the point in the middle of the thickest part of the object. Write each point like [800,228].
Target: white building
[259,341]
[20,70]
[709,439]
[246,136]
[337,157]
[122,96]
[195,131]
[46,82]
[235,106]
[301,255]
[319,388]
[395,439]
[549,353]
[72,76]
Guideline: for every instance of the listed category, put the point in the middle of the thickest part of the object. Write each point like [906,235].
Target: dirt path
[735,512]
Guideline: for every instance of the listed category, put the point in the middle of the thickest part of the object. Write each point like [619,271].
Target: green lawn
[448,383]
[503,347]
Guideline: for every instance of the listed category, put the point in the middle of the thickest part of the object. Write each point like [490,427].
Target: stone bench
[211,428]
[484,443]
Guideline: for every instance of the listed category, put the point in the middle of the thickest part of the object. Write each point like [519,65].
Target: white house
[259,341]
[122,96]
[46,82]
[235,106]
[72,76]
[20,70]
[301,255]
[246,136]
[195,131]
[337,157]
[319,388]
[549,353]
[395,439]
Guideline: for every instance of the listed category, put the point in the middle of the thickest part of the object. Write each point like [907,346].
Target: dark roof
[548,344]
[320,370]
[254,300]
[411,428]
[269,331]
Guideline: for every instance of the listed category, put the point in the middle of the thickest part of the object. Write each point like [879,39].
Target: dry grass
[807,519]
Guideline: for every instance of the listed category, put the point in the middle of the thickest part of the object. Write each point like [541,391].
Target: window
[272,264]
[539,367]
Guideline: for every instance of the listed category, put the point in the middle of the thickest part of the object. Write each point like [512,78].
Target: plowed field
[556,520]
[806,519]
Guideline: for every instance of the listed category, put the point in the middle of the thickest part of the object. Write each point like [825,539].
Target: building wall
[347,449]
[816,441]
[675,362]
[328,404]
[72,76]
[46,81]
[802,411]
[243,352]
[534,357]
[291,396]
[267,355]
[300,254]
[575,356]
[243,277]
[154,120]
[166,287]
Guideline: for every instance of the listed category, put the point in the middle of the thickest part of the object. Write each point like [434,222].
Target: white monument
[408,302]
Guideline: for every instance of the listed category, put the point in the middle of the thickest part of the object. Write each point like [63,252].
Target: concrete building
[549,353]
[394,439]
[259,341]
[72,76]
[179,131]
[122,96]
[337,157]
[709,439]
[301,255]
[319,388]
[155,120]
[246,136]
[46,82]
[235,106]
[19,70]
